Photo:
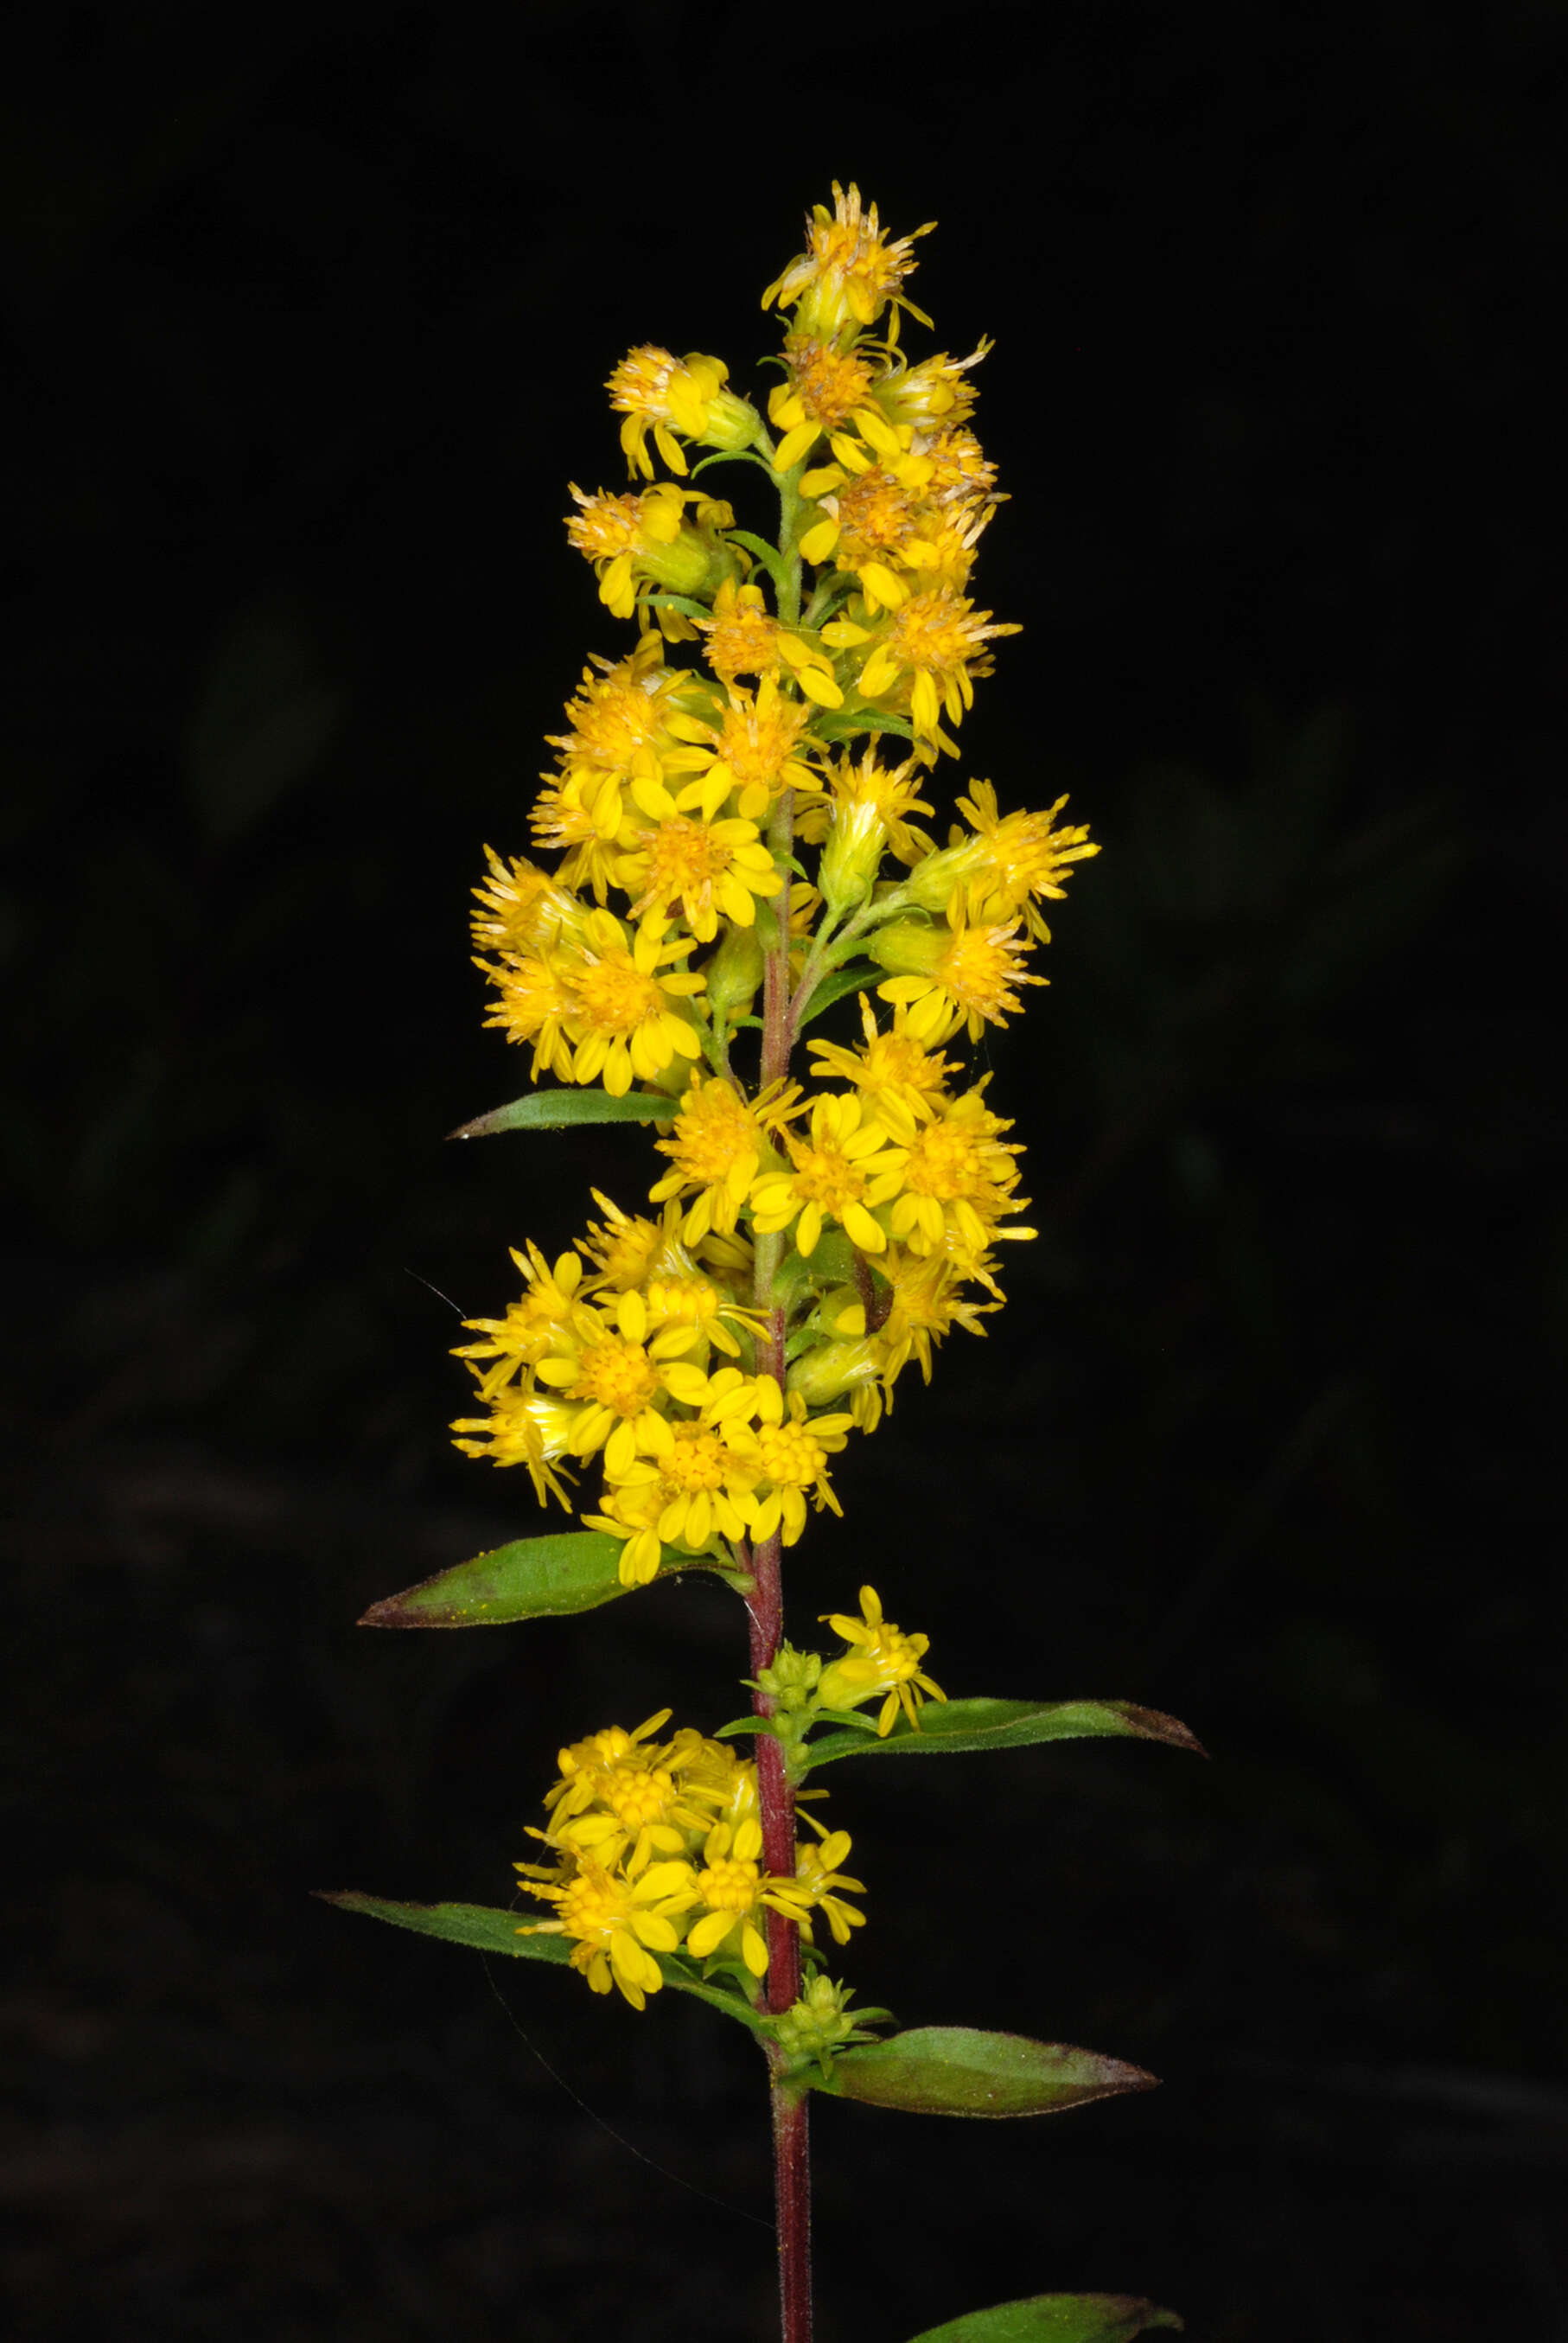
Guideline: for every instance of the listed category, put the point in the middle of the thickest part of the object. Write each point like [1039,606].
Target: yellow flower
[958,1176]
[932,647]
[743,639]
[841,1173]
[665,395]
[1020,857]
[630,1807]
[525,1427]
[758,748]
[709,868]
[624,1013]
[521,908]
[532,1006]
[616,1375]
[896,1077]
[565,818]
[935,391]
[865,815]
[962,475]
[951,975]
[736,1893]
[619,722]
[645,535]
[848,271]
[524,1335]
[789,1453]
[716,1144]
[589,1767]
[927,1302]
[618,1924]
[881,1659]
[822,389]
[683,1492]
[818,1881]
[626,1251]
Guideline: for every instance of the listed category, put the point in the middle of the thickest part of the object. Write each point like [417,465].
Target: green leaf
[955,2070]
[486,1930]
[1054,2318]
[681,602]
[966,1724]
[768,555]
[554,1110]
[733,456]
[844,723]
[534,1578]
[856,978]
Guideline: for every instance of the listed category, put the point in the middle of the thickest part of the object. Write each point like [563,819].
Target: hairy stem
[765,1606]
[792,2198]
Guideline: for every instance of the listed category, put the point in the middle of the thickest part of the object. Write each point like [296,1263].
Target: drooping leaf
[957,2070]
[1055,2319]
[857,979]
[968,1724]
[768,555]
[555,1109]
[534,1578]
[485,1930]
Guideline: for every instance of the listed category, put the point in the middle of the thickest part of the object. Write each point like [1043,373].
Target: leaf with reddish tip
[485,1930]
[1055,2319]
[554,1110]
[955,2070]
[969,1724]
[535,1578]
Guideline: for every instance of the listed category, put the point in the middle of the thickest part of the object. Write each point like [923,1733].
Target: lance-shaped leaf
[485,1930]
[534,1578]
[957,2070]
[860,978]
[1055,2319]
[555,1109]
[966,1724]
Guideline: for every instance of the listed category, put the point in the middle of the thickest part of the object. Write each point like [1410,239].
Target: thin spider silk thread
[691,2187]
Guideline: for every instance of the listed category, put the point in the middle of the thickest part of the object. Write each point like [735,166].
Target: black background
[312,308]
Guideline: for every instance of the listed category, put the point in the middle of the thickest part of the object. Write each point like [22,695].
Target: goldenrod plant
[735,843]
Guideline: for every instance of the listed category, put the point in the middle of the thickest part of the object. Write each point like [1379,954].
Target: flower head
[926,655]
[715,1144]
[840,1171]
[666,395]
[848,271]
[616,1925]
[899,1081]
[881,1659]
[625,1013]
[706,868]
[618,1375]
[954,975]
[759,747]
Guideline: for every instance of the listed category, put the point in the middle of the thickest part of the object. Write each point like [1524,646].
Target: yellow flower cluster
[657,1849]
[868,1200]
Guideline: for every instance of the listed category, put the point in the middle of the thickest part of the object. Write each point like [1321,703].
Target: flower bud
[852,855]
[818,2022]
[792,1677]
[833,1369]
[933,883]
[731,423]
[735,972]
[908,947]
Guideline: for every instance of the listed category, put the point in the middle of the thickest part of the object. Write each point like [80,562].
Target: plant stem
[792,2197]
[765,1608]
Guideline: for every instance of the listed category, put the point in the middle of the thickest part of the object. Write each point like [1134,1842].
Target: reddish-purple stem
[764,1607]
